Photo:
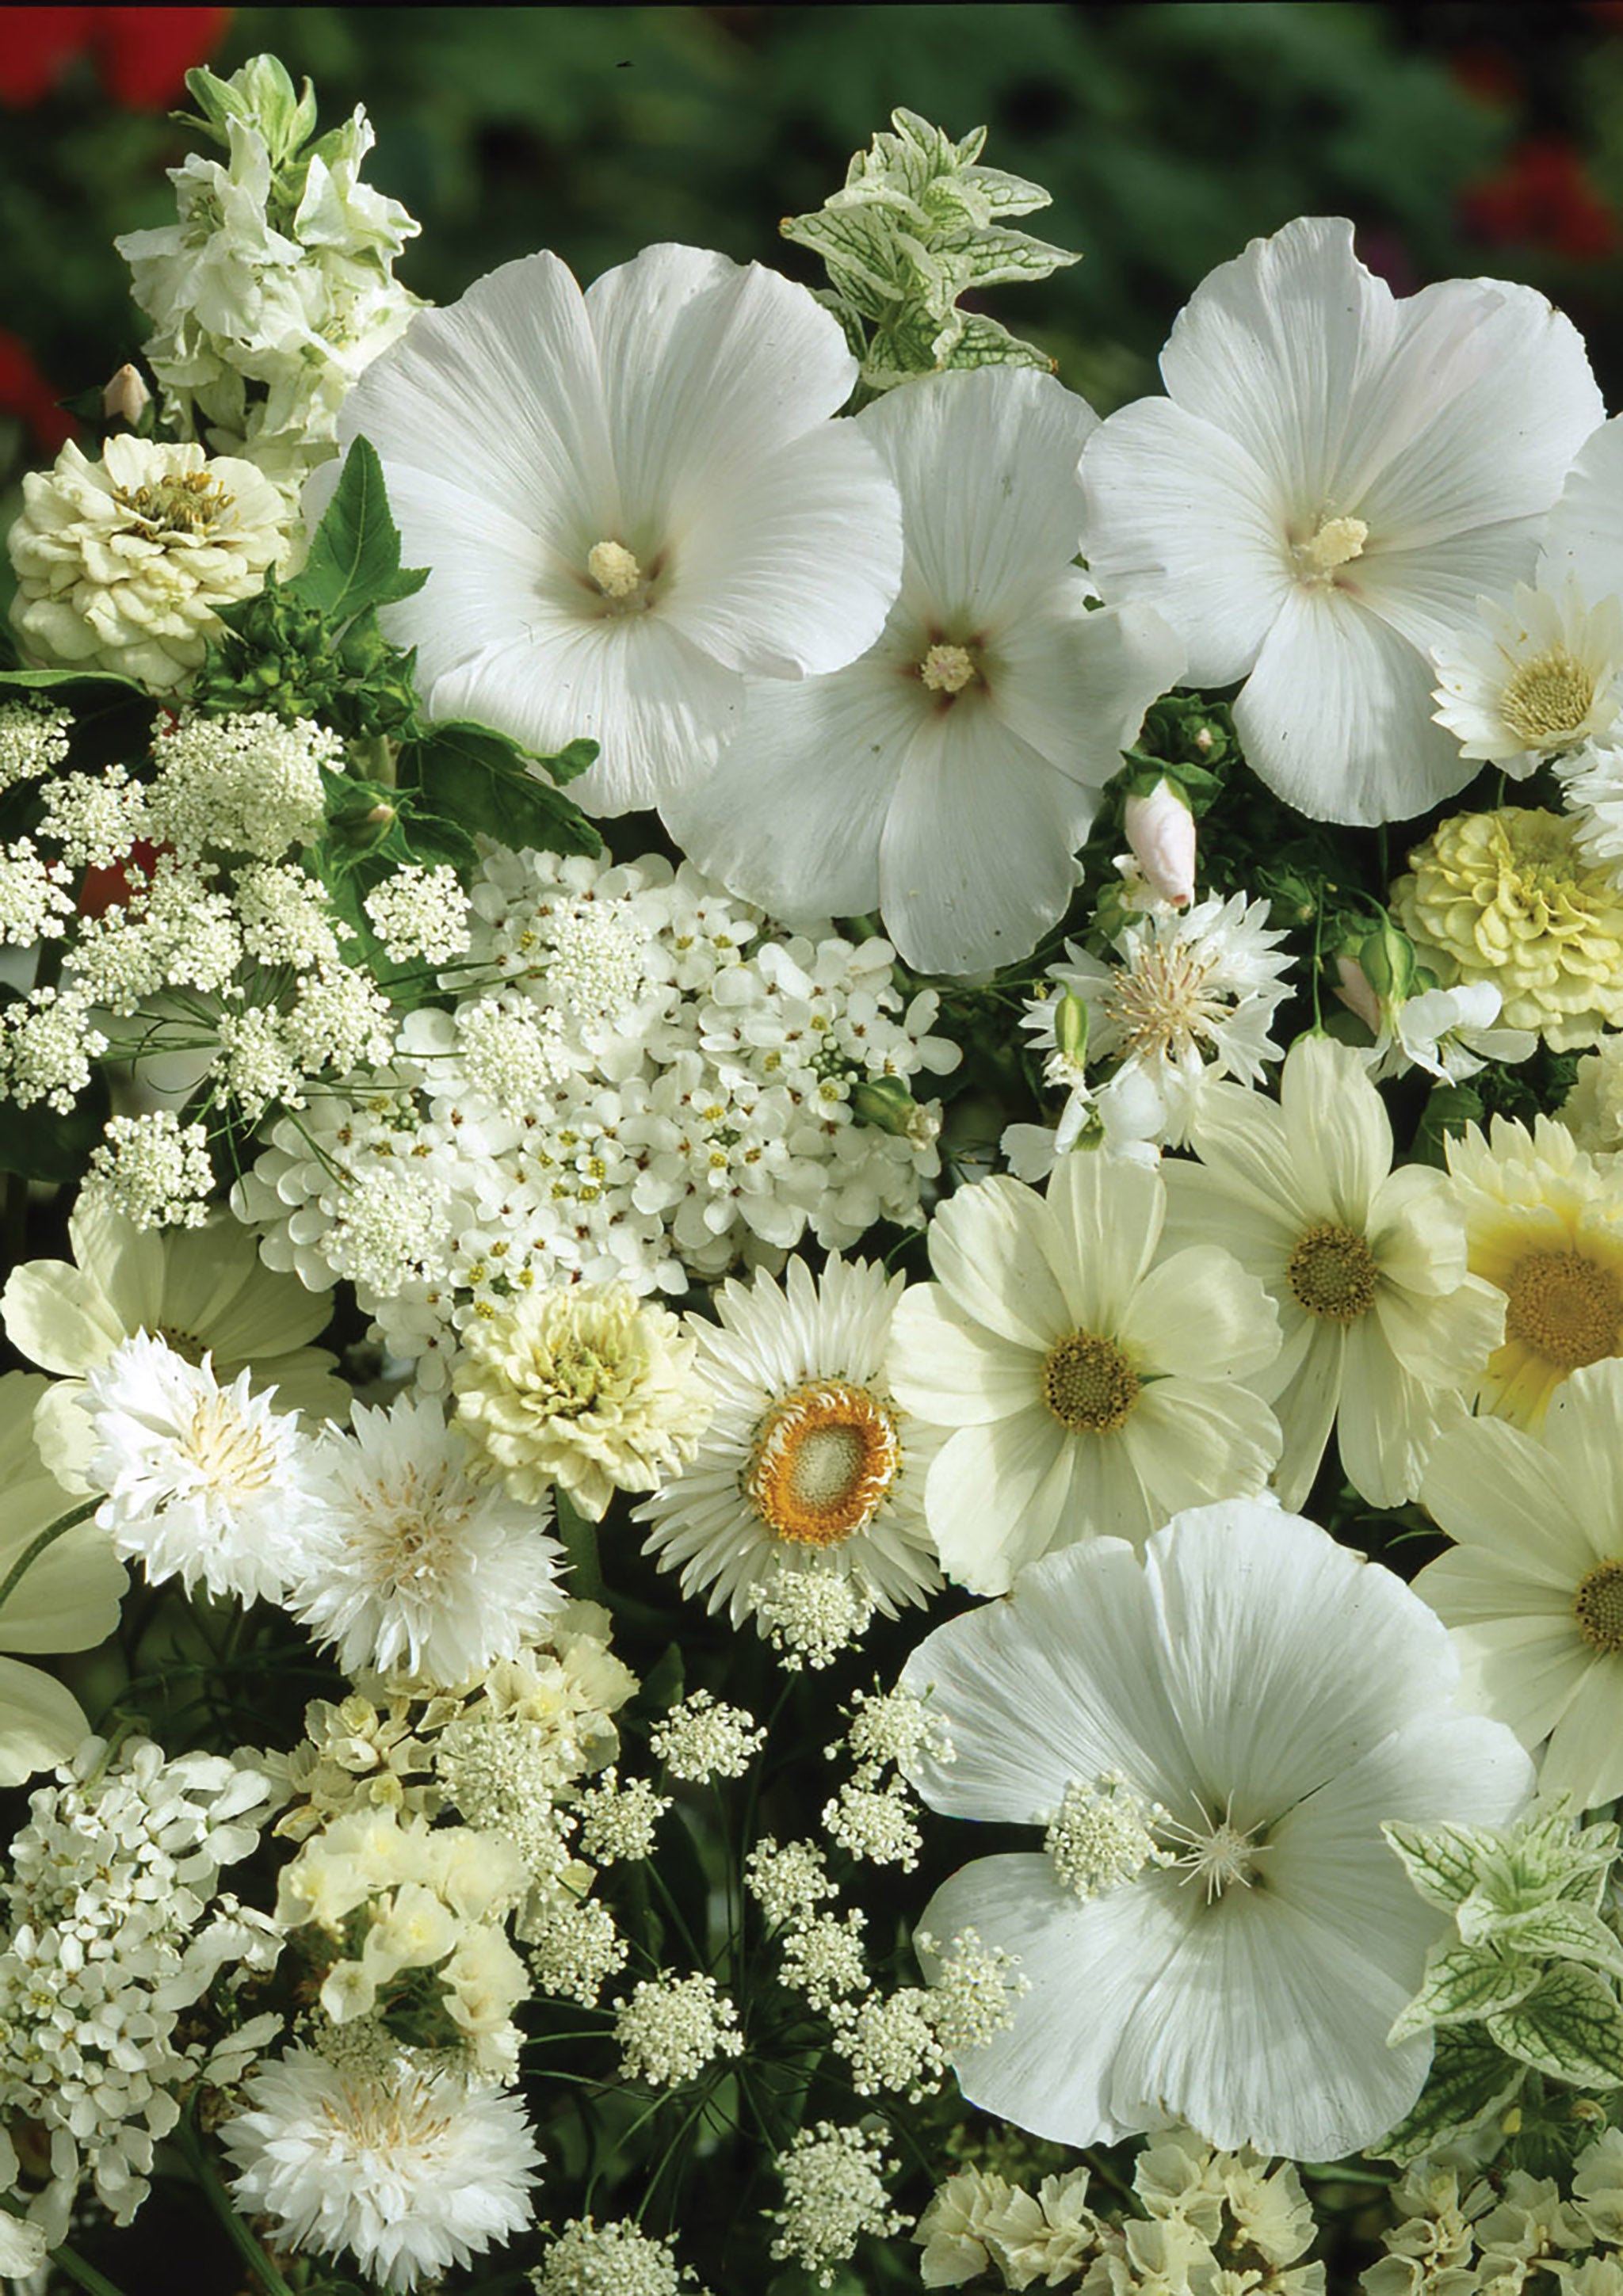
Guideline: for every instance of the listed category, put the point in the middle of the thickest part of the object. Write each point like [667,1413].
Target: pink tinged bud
[1356,994]
[1161,831]
[126,396]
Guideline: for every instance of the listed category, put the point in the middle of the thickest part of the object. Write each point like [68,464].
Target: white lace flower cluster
[649,1086]
[273,291]
[834,2192]
[116,1928]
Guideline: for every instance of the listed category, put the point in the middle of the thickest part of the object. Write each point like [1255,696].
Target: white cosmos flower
[1092,1379]
[1383,1327]
[1533,1586]
[205,1483]
[807,1464]
[1537,679]
[412,1564]
[1212,1734]
[630,498]
[403,2167]
[947,778]
[1333,480]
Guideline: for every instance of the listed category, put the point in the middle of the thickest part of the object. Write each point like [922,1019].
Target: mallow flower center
[947,670]
[1563,1308]
[1598,1607]
[1105,1834]
[1334,543]
[825,1456]
[615,572]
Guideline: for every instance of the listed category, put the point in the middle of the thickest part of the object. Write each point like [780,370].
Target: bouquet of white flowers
[798,1103]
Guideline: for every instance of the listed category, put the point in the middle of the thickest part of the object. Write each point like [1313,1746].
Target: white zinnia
[1533,1586]
[413,1565]
[1214,1736]
[1091,1378]
[204,1483]
[630,499]
[1383,1328]
[1335,478]
[404,2168]
[1537,679]
[947,778]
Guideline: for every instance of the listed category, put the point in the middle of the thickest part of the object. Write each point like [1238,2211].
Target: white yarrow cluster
[610,2259]
[248,783]
[702,1739]
[833,2193]
[34,739]
[668,2029]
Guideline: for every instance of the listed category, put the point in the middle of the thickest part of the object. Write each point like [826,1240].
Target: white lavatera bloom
[1336,476]
[947,778]
[630,499]
[1213,1734]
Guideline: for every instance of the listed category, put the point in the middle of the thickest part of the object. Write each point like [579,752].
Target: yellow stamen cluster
[1089,1384]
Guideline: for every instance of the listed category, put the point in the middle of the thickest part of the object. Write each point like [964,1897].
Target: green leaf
[478,779]
[1558,1932]
[1461,1986]
[43,1144]
[354,561]
[1469,2080]
[47,681]
[665,1679]
[1442,1861]
[1569,2028]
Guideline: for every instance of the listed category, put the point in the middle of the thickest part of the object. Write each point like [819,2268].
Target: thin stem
[219,2200]
[67,2260]
[36,1546]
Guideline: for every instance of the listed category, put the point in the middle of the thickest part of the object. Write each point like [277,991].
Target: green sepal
[1569,2027]
[1469,2079]
[1463,1985]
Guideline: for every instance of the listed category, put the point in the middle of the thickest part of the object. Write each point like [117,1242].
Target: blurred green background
[1461,139]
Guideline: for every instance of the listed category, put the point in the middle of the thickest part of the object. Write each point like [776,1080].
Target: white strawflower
[947,778]
[808,1464]
[205,1483]
[405,2168]
[631,499]
[1335,477]
[120,563]
[413,1566]
[834,2192]
[1267,1700]
[1384,1330]
[1542,677]
[1086,1377]
[595,1390]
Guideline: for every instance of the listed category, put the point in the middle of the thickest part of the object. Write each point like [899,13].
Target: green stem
[67,2261]
[36,1546]
[578,1533]
[219,2200]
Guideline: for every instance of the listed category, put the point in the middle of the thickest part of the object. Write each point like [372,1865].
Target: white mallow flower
[1537,678]
[411,1566]
[1213,1735]
[1093,1380]
[631,499]
[205,1483]
[1334,478]
[399,2165]
[947,778]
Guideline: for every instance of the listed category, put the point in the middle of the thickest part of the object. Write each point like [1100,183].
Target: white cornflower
[833,2194]
[1542,677]
[249,784]
[420,914]
[120,563]
[787,1880]
[595,1390]
[947,778]
[610,2259]
[203,1482]
[1213,1676]
[34,739]
[671,2028]
[406,2169]
[411,1565]
[808,1467]
[1384,1330]
[151,1169]
[619,1823]
[1092,1379]
[1335,476]
[34,900]
[702,1739]
[682,514]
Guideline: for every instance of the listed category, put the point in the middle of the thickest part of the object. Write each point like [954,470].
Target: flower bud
[1161,831]
[125,397]
[1356,994]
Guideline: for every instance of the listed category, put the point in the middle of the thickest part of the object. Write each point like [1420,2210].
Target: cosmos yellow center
[186,503]
[230,1455]
[1546,701]
[183,1343]
[1598,1608]
[1089,1384]
[1332,1273]
[1563,1308]
[825,1456]
[948,669]
[1334,543]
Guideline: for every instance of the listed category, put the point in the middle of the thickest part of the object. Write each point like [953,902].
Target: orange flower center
[826,1456]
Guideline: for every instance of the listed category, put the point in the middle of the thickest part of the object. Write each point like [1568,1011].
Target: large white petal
[1585,533]
[1524,1671]
[1585,1756]
[1075,682]
[953,1376]
[58,1316]
[1200,1315]
[1490,1485]
[41,1722]
[1110,1214]
[996,1247]
[995,1497]
[1192,1441]
[1336,1126]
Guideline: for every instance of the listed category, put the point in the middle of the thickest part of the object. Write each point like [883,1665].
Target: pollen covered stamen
[1161,1004]
[1218,1855]
[229,1453]
[1089,1384]
[825,1457]
[1565,1308]
[1546,701]
[187,502]
[1334,543]
[1598,1608]
[948,669]
[1332,1273]
[614,569]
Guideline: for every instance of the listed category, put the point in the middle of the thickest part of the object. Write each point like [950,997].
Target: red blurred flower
[142,54]
[109,888]
[24,392]
[1543,198]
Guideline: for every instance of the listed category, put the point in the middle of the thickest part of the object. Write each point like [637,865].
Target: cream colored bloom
[66,1600]
[1506,898]
[203,1291]
[120,563]
[1543,1225]
[1533,1587]
[1383,1325]
[1093,1380]
[1542,676]
[594,1389]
